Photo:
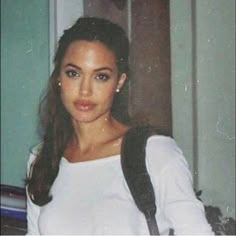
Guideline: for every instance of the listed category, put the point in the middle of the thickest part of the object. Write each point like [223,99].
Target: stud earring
[59,84]
[117,90]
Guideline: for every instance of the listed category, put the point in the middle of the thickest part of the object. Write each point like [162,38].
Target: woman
[75,181]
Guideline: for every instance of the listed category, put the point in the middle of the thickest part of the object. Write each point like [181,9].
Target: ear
[59,82]
[121,81]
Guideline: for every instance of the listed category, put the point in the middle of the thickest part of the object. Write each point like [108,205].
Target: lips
[83,105]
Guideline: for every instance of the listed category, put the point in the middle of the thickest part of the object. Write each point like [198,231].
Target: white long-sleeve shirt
[92,197]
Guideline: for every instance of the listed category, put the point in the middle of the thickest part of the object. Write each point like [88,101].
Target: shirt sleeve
[33,210]
[172,182]
[181,207]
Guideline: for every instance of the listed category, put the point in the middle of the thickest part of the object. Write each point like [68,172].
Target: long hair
[55,120]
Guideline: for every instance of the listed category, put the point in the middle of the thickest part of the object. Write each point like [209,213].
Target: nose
[85,88]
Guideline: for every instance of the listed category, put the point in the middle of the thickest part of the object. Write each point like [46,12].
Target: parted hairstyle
[55,121]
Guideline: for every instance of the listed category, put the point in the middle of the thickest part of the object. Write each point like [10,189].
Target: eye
[102,77]
[72,73]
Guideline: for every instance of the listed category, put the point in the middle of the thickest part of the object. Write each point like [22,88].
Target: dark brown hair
[55,120]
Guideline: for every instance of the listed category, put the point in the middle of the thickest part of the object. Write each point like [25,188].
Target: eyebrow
[96,70]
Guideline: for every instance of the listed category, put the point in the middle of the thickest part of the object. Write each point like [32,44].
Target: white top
[92,197]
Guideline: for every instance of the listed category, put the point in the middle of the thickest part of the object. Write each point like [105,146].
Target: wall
[203,94]
[150,62]
[24,70]
[147,24]
[216,101]
[62,14]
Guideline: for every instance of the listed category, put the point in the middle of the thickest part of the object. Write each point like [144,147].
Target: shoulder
[163,151]
[163,145]
[34,151]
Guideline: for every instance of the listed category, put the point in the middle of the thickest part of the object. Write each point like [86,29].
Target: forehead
[89,50]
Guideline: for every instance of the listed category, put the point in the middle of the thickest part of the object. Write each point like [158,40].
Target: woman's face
[89,79]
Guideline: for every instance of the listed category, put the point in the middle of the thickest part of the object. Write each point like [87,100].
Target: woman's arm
[33,210]
[181,207]
[172,182]
[32,217]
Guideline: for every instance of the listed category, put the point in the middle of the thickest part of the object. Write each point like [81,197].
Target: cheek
[67,88]
[107,94]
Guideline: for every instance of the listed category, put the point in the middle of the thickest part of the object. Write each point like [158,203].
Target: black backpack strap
[136,175]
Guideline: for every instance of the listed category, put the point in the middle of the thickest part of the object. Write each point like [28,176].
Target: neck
[92,133]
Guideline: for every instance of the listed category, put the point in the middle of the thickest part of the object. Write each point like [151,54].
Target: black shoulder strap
[136,175]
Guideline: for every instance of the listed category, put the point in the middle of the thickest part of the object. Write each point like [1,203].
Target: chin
[86,118]
[89,116]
